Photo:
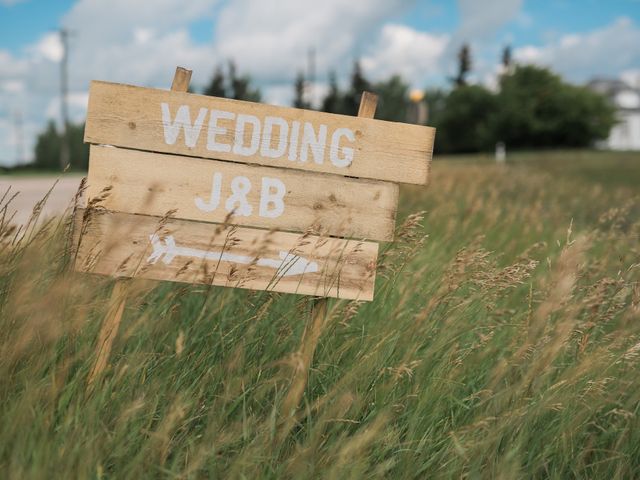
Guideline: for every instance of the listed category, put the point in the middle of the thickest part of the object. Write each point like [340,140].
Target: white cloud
[77,103]
[400,49]
[12,86]
[632,77]
[136,42]
[11,66]
[10,3]
[271,39]
[49,48]
[114,21]
[480,24]
[121,40]
[143,35]
[481,20]
[606,51]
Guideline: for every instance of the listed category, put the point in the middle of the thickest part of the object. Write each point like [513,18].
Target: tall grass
[503,342]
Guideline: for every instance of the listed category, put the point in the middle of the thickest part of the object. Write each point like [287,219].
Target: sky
[141,42]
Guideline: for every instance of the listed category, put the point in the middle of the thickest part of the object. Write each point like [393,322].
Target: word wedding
[293,139]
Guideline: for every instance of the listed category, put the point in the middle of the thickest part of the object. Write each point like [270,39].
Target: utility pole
[311,77]
[64,91]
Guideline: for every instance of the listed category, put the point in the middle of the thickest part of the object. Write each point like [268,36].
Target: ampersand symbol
[240,187]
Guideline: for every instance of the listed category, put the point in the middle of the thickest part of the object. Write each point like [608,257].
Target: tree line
[532,107]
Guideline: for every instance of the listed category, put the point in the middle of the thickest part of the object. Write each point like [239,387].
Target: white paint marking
[214,199]
[267,150]
[293,141]
[288,265]
[347,152]
[215,130]
[239,148]
[272,194]
[316,142]
[183,120]
[240,187]
[271,197]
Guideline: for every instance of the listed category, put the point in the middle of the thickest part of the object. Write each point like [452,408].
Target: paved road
[33,189]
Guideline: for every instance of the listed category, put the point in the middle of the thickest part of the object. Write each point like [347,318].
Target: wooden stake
[109,329]
[181,80]
[111,323]
[311,335]
[368,105]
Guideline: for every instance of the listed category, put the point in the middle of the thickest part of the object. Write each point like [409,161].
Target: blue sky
[140,42]
[23,22]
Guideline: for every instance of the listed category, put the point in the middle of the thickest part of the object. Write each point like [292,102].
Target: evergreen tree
[217,86]
[233,86]
[49,142]
[298,100]
[47,151]
[506,58]
[241,86]
[333,102]
[359,84]
[464,66]
[392,103]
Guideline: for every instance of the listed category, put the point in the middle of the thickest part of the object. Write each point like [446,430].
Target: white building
[625,134]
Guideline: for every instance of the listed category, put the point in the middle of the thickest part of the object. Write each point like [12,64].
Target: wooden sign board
[125,245]
[246,132]
[198,189]
[210,191]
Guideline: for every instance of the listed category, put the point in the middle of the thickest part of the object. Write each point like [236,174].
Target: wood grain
[153,184]
[181,79]
[368,105]
[131,117]
[119,244]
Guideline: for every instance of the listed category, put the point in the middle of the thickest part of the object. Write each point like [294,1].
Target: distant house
[625,135]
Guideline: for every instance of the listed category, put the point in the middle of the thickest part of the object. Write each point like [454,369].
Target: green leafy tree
[538,110]
[464,121]
[436,102]
[47,151]
[298,100]
[78,150]
[392,99]
[49,142]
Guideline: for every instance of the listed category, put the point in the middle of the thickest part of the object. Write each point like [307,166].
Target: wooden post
[118,299]
[311,335]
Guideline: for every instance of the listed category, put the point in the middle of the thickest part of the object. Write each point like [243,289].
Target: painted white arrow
[288,265]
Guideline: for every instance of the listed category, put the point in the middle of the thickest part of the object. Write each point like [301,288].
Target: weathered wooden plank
[210,127]
[210,190]
[126,245]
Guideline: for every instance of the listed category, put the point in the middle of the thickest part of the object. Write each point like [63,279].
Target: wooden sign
[246,132]
[126,245]
[210,191]
[198,189]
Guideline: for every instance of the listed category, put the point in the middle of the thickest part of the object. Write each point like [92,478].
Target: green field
[504,342]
